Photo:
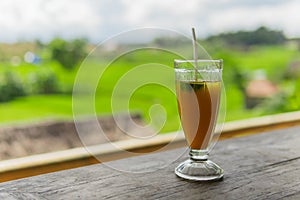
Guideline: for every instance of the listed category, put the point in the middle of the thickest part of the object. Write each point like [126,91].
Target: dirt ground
[19,141]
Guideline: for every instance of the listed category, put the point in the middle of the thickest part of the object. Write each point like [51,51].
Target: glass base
[199,170]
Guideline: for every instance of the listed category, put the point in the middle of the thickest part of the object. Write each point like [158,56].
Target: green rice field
[273,60]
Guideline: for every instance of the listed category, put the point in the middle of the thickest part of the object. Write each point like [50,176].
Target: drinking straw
[195,52]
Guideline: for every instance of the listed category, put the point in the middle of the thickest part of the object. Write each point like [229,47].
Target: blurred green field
[273,59]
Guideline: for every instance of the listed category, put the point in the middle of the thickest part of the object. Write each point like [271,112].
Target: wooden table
[261,166]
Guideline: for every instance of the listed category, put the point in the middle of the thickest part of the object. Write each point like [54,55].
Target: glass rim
[217,62]
[199,61]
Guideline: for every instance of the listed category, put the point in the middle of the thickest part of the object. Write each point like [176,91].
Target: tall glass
[198,88]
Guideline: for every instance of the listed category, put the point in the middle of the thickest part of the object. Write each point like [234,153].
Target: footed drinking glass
[198,89]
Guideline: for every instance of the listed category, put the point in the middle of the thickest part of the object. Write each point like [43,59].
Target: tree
[68,53]
[11,86]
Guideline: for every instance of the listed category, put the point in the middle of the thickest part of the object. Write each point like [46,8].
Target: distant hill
[260,36]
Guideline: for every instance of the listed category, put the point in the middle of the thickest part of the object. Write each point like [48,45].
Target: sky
[100,19]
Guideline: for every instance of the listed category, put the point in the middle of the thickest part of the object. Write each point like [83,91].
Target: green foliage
[293,100]
[283,102]
[44,82]
[68,53]
[10,87]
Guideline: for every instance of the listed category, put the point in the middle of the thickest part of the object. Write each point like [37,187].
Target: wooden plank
[55,161]
[263,166]
[77,157]
[260,124]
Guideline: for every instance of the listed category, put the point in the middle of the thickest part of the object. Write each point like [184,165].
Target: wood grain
[262,166]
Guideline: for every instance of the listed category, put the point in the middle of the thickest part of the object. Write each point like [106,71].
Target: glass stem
[198,155]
